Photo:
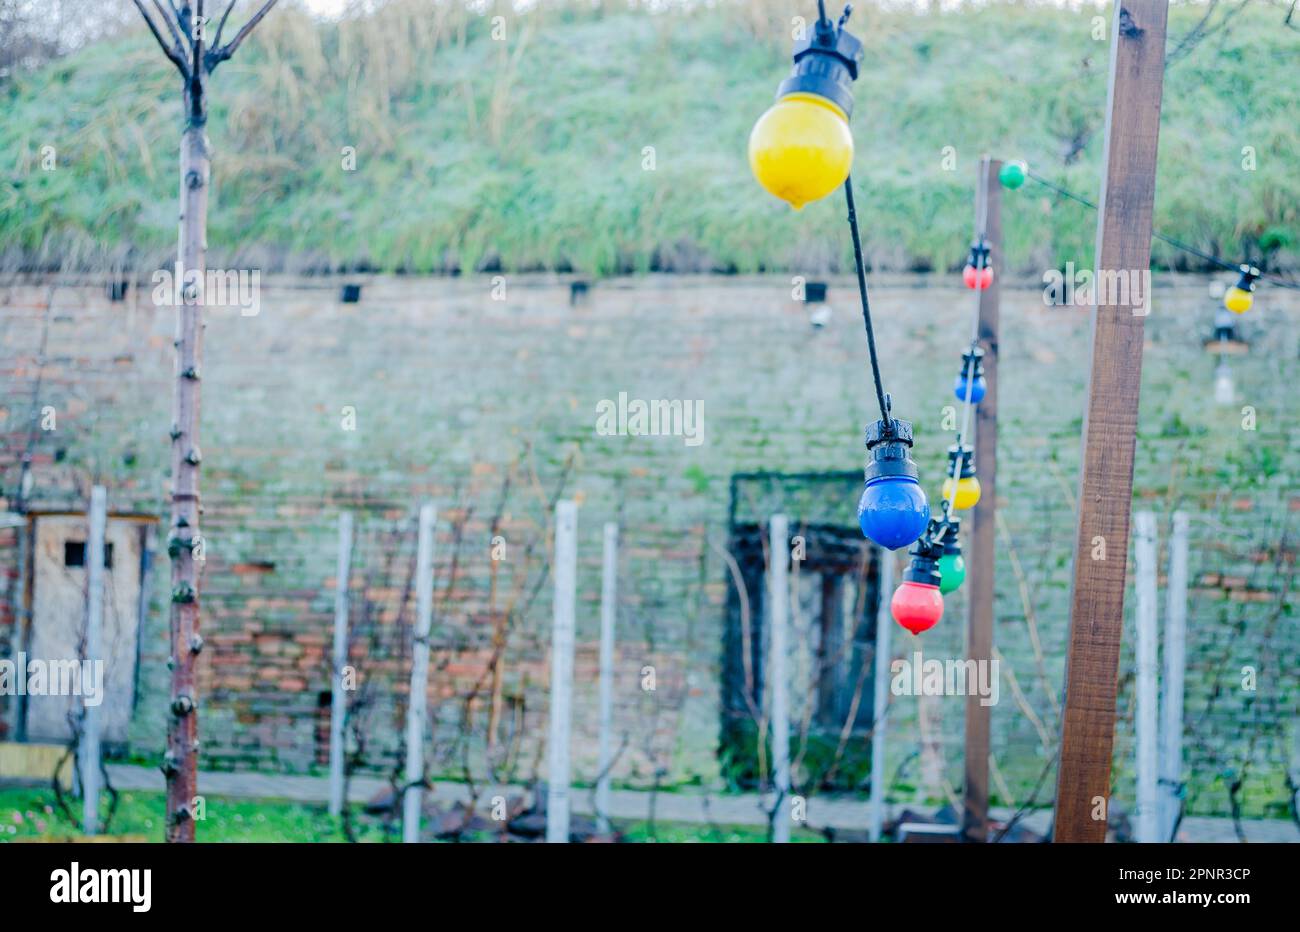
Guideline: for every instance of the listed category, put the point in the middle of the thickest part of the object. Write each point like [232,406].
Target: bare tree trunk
[183,732]
[181,33]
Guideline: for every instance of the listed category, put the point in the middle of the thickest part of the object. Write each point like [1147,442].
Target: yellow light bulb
[801,149]
[1238,300]
[968,492]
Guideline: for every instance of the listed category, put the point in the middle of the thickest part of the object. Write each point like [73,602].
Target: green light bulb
[1013,174]
[952,572]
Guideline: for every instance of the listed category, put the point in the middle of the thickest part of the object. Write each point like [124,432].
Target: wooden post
[417,708]
[983,536]
[338,696]
[94,655]
[1110,426]
[562,636]
[880,687]
[1145,715]
[1171,757]
[608,615]
[778,590]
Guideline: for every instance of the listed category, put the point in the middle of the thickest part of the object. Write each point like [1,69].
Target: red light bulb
[977,279]
[916,606]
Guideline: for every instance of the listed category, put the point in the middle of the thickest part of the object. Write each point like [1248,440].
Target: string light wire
[981,231]
[881,398]
[1156,234]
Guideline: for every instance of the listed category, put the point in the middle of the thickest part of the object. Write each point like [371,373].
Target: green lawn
[32,812]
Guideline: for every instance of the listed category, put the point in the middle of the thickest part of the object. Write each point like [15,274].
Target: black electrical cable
[866,307]
[1030,173]
[1177,244]
[981,233]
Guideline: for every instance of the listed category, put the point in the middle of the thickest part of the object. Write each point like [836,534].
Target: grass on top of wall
[534,151]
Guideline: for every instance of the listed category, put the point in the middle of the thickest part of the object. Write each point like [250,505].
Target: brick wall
[488,408]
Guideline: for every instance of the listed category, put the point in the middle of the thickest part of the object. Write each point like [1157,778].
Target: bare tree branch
[216,39]
[198,103]
[1193,36]
[219,54]
[171,27]
[182,20]
[1202,31]
[175,55]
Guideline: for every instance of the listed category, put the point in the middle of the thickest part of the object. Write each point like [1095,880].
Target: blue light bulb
[972,367]
[893,510]
[976,390]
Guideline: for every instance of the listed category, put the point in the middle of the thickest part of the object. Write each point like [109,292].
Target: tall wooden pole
[94,654]
[983,538]
[417,708]
[608,616]
[1145,715]
[338,697]
[559,762]
[778,616]
[1137,63]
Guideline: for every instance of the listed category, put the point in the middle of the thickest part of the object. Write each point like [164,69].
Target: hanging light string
[1169,240]
[981,230]
[881,398]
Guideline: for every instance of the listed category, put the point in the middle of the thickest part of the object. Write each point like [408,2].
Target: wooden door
[58,624]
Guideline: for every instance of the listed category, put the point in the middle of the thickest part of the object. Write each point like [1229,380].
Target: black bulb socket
[924,565]
[972,361]
[889,445]
[951,539]
[1247,280]
[967,456]
[826,64]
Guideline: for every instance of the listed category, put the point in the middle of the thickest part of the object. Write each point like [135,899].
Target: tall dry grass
[527,153]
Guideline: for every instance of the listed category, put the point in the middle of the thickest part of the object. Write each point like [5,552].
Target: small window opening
[74,554]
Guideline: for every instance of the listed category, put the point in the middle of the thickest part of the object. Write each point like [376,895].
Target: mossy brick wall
[485,405]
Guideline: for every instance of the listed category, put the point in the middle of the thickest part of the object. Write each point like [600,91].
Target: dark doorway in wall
[834,595]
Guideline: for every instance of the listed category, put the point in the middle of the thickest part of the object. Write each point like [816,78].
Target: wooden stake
[1110,426]
[608,615]
[880,685]
[980,564]
[338,696]
[94,654]
[418,702]
[562,637]
[1171,709]
[778,590]
[1145,714]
